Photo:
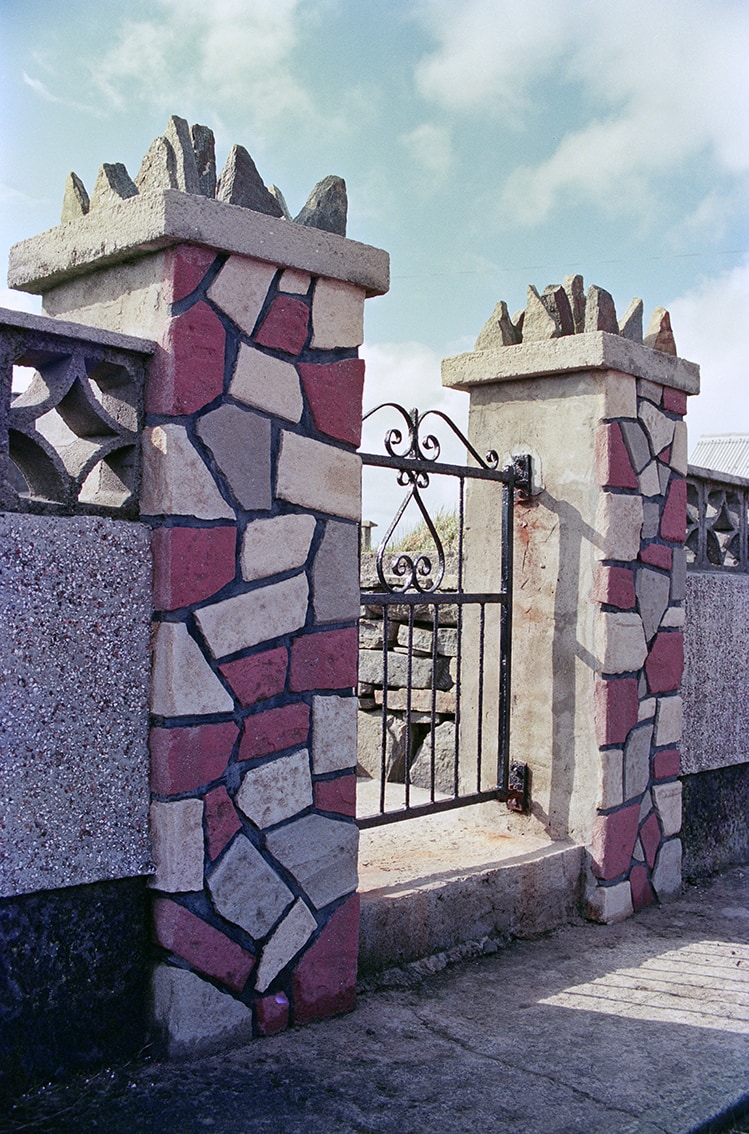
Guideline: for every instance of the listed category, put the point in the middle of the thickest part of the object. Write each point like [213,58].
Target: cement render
[75,606]
[636,1028]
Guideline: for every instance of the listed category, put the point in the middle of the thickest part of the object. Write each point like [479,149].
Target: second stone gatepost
[251,483]
[599,576]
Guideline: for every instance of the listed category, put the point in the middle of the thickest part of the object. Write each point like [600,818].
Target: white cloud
[430,148]
[663,84]
[45,93]
[710,327]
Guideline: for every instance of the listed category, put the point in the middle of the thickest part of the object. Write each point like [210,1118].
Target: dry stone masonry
[251,486]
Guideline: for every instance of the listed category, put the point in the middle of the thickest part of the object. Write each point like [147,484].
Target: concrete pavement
[635,1028]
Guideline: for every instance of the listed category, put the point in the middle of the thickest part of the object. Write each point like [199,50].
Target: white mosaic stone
[679,458]
[257,616]
[668,720]
[321,854]
[637,761]
[333,734]
[276,790]
[675,616]
[193,1015]
[277,545]
[319,476]
[653,391]
[620,642]
[294,282]
[646,709]
[619,522]
[608,904]
[611,791]
[291,935]
[182,682]
[649,482]
[660,428]
[337,315]
[652,589]
[247,891]
[240,289]
[620,395]
[176,481]
[667,800]
[667,872]
[267,383]
[177,843]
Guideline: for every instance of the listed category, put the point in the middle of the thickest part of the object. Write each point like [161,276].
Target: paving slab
[636,1028]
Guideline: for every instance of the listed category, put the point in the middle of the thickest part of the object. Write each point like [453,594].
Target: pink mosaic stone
[666,764]
[612,842]
[612,459]
[334,393]
[675,401]
[337,795]
[202,946]
[324,981]
[656,555]
[326,660]
[258,677]
[272,1014]
[674,518]
[285,326]
[191,564]
[665,662]
[275,729]
[183,759]
[650,837]
[616,703]
[187,371]
[184,267]
[221,820]
[614,586]
[642,891]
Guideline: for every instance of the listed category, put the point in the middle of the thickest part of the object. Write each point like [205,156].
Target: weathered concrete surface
[636,1028]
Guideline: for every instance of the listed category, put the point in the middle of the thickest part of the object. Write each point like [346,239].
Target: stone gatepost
[600,573]
[251,484]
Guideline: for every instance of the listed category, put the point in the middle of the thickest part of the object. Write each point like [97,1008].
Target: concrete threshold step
[434,884]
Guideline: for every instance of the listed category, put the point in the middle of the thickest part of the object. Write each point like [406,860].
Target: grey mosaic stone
[157,170]
[371,669]
[499,330]
[679,574]
[369,751]
[637,761]
[557,303]
[651,518]
[660,428]
[667,872]
[659,335]
[113,184]
[75,202]
[240,442]
[321,854]
[177,135]
[204,148]
[637,444]
[246,890]
[630,324]
[292,934]
[276,192]
[276,790]
[667,799]
[539,323]
[600,312]
[444,760]
[335,574]
[241,184]
[326,207]
[333,733]
[193,1015]
[652,589]
[75,605]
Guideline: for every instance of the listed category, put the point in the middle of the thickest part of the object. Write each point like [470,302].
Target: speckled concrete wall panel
[74,670]
[716,671]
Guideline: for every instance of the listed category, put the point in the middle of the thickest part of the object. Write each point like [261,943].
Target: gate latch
[518,788]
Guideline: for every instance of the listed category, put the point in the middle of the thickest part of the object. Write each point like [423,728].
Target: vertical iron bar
[459,658]
[505,632]
[480,706]
[409,693]
[384,737]
[433,707]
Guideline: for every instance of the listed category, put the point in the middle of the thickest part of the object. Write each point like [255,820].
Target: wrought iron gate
[434,659]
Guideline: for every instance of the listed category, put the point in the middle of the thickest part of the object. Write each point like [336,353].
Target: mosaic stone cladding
[249,473]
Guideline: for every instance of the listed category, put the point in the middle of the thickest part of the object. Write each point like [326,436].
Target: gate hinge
[518,788]
[521,465]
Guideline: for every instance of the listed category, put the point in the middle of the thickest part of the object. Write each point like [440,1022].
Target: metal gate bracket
[518,788]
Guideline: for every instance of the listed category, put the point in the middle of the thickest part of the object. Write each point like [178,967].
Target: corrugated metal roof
[723,452]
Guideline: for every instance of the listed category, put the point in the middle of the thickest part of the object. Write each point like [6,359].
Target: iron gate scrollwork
[435,656]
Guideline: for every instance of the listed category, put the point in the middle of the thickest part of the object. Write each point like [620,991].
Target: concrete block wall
[251,485]
[600,584]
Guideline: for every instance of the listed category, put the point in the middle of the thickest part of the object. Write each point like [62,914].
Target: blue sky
[486,144]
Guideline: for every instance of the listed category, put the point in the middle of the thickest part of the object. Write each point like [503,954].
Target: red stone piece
[674,518]
[184,759]
[612,459]
[272,1014]
[187,371]
[275,729]
[191,564]
[656,555]
[326,660]
[612,842]
[614,586]
[202,946]
[616,703]
[650,837]
[337,795]
[221,821]
[665,662]
[324,981]
[184,267]
[334,392]
[285,326]
[258,677]
[666,764]
[642,891]
[675,401]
